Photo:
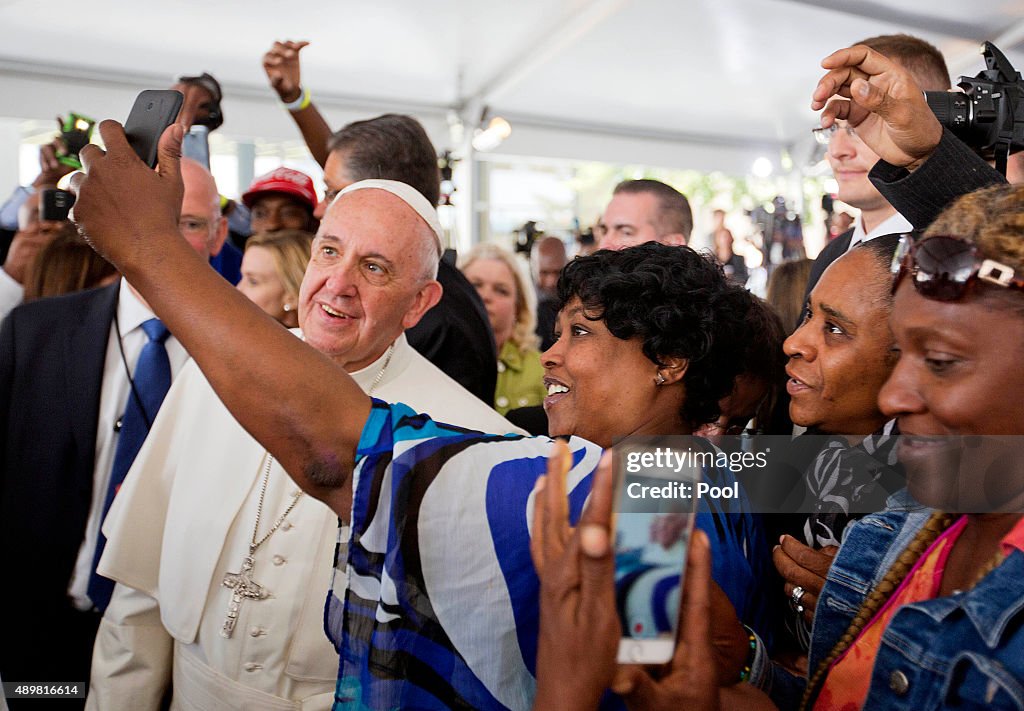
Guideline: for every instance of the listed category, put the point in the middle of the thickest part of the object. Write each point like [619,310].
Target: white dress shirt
[11,294]
[131,313]
[897,223]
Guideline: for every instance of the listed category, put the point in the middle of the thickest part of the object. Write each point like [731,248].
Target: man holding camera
[34,233]
[851,158]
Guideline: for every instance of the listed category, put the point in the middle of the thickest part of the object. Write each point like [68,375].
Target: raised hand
[281,64]
[51,170]
[881,100]
[121,205]
[194,98]
[579,627]
[26,246]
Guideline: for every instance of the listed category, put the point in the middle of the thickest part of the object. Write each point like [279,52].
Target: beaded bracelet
[751,655]
[303,102]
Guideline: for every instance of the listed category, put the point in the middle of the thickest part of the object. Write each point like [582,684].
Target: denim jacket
[965,651]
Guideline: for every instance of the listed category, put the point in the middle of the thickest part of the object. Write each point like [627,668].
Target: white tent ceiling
[681,83]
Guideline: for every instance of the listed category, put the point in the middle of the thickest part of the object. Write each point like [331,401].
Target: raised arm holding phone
[130,214]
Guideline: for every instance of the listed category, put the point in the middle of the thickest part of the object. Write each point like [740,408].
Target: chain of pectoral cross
[242,585]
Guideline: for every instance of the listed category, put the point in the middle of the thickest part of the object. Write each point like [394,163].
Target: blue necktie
[152,380]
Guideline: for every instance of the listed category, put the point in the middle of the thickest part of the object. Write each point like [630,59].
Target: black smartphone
[154,111]
[55,204]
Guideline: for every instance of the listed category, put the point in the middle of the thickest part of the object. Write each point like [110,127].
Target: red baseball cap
[283,180]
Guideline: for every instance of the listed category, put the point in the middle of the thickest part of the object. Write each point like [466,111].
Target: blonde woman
[510,301]
[272,270]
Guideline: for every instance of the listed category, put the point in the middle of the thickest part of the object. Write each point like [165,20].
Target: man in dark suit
[851,159]
[64,385]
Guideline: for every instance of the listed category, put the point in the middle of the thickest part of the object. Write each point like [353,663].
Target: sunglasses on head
[942,267]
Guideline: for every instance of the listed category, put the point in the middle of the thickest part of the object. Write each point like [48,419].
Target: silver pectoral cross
[244,588]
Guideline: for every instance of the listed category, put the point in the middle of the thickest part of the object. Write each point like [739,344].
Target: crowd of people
[403,498]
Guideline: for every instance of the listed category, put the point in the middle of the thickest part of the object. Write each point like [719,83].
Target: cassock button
[252,666]
[257,632]
[501,401]
[899,683]
[278,560]
[501,367]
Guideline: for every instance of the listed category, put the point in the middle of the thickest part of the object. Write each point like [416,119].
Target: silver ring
[794,599]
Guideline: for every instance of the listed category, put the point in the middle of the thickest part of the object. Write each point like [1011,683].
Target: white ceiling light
[487,139]
[762,167]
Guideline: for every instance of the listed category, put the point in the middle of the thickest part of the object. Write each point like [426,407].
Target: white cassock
[184,518]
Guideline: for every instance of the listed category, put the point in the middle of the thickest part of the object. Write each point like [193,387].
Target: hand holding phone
[121,202]
[154,111]
[691,680]
[655,512]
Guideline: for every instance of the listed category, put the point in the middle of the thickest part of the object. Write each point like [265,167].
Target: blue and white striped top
[441,606]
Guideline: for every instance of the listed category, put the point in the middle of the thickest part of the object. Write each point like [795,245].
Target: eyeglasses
[192,225]
[944,267]
[824,135]
[329,196]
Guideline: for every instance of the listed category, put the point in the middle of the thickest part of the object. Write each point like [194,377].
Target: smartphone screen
[196,145]
[153,111]
[655,511]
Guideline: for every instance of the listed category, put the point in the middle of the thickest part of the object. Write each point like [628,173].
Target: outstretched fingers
[550,529]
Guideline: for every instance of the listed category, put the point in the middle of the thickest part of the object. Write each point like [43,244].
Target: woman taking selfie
[646,346]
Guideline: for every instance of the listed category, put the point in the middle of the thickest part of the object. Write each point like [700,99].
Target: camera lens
[952,109]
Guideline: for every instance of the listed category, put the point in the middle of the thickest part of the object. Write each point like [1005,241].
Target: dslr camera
[989,115]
